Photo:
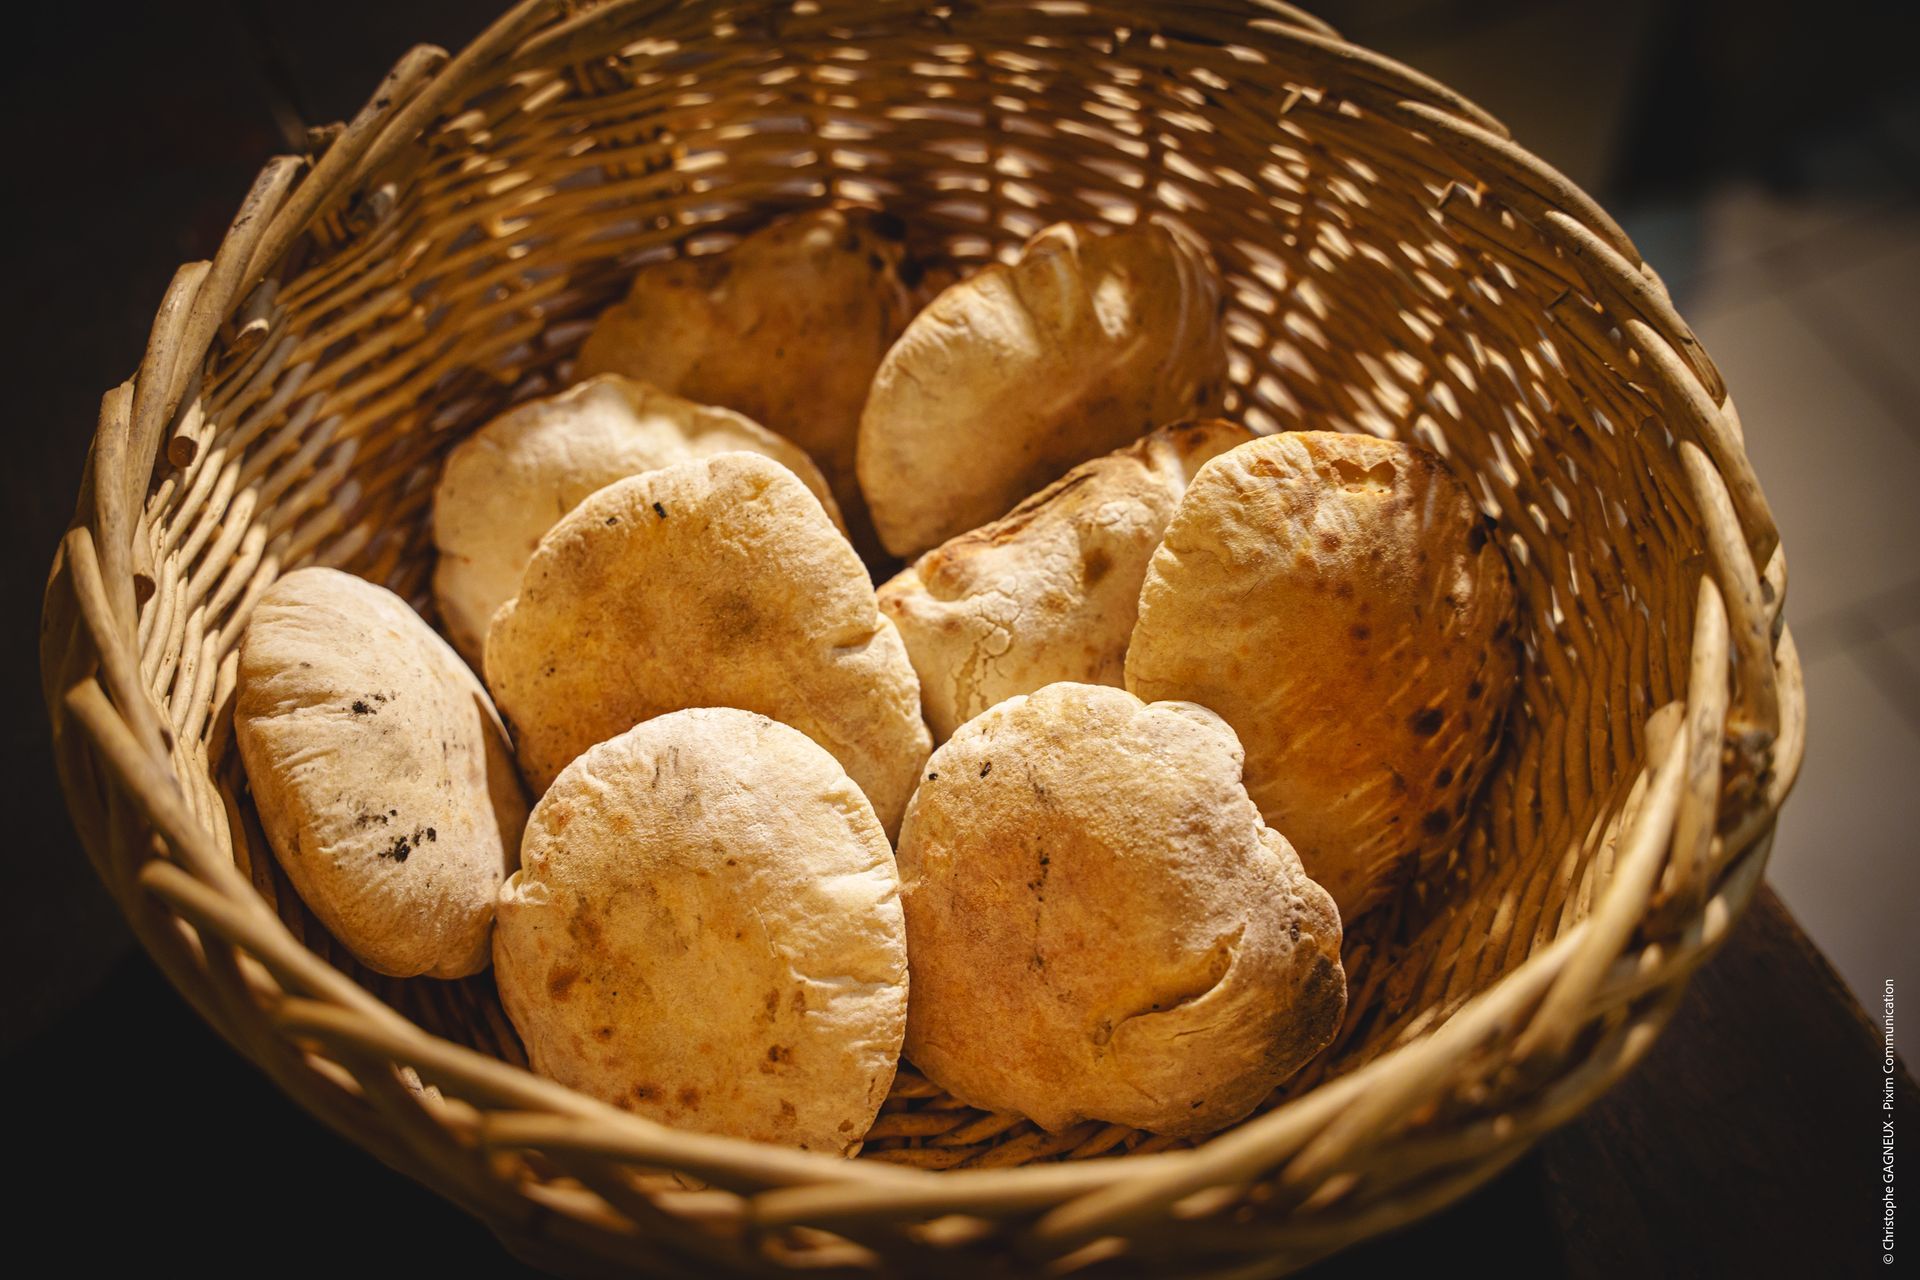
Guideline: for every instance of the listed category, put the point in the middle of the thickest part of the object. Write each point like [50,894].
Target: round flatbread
[787,327]
[1340,601]
[706,930]
[1013,375]
[504,486]
[381,774]
[1101,926]
[1049,591]
[717,582]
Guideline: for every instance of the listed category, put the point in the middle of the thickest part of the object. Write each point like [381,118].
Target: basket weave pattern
[1394,265]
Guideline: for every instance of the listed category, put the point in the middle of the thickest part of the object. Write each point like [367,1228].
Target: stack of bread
[1069,809]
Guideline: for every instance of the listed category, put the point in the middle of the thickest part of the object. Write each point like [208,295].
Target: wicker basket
[1395,265]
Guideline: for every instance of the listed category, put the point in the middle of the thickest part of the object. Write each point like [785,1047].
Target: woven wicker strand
[1395,264]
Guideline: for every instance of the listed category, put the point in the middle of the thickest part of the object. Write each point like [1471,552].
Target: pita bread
[504,486]
[706,930]
[714,582]
[1101,927]
[381,774]
[1338,599]
[786,327]
[1049,591]
[1015,374]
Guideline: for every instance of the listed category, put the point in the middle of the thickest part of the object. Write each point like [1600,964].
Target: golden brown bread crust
[714,582]
[707,930]
[1049,591]
[381,774]
[1100,925]
[1022,370]
[505,485]
[1338,599]
[786,327]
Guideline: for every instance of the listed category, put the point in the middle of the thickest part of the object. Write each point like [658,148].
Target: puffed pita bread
[1338,599]
[787,327]
[381,774]
[1049,591]
[1022,370]
[1100,925]
[706,929]
[504,486]
[714,582]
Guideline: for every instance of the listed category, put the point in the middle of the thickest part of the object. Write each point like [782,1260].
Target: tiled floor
[1808,304]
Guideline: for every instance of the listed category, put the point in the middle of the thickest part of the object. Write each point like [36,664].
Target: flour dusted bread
[717,582]
[706,929]
[787,327]
[381,775]
[1101,926]
[1049,591]
[1337,599]
[1018,372]
[504,486]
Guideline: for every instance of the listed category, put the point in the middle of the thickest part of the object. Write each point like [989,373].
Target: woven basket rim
[92,681]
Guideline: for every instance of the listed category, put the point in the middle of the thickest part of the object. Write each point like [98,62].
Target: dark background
[1742,1146]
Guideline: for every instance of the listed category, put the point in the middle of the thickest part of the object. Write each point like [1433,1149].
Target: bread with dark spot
[706,930]
[716,582]
[1337,600]
[787,327]
[505,485]
[380,772]
[1101,927]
